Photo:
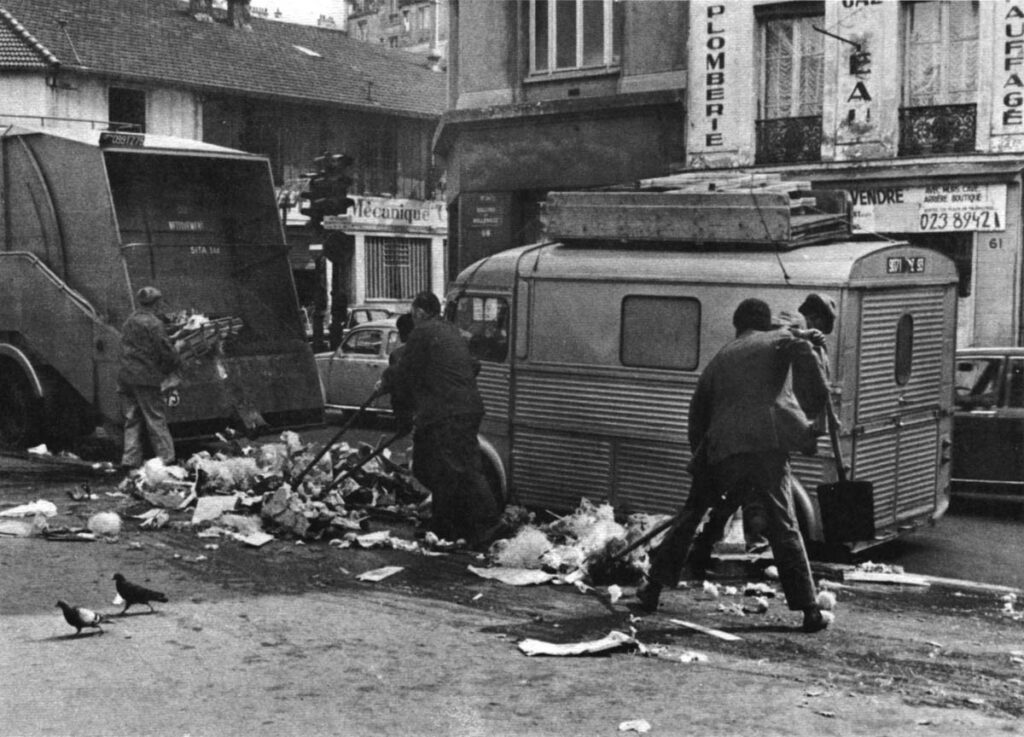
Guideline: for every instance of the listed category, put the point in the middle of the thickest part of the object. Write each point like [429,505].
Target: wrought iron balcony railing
[788,140]
[938,129]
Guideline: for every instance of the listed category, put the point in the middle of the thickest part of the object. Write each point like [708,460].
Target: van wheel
[20,409]
[493,482]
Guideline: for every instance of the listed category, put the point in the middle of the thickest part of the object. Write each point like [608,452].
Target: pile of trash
[279,489]
[589,542]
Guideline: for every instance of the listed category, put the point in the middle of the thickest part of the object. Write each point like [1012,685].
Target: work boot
[647,594]
[815,620]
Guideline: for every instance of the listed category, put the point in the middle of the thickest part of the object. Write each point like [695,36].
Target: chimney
[239,15]
[201,10]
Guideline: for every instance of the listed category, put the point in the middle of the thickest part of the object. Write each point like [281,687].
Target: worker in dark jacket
[439,372]
[147,358]
[402,403]
[745,415]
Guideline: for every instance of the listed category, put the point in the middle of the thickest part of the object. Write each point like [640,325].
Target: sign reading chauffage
[936,208]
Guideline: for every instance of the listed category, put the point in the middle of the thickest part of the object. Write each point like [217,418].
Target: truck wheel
[20,409]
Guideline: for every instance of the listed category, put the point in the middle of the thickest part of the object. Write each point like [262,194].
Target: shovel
[847,507]
[352,469]
[344,428]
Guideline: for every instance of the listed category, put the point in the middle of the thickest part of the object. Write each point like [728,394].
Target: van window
[977,382]
[904,348]
[484,323]
[660,332]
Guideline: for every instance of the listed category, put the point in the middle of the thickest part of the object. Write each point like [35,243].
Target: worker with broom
[746,419]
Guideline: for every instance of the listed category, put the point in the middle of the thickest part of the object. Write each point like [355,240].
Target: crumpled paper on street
[614,640]
[514,576]
[40,506]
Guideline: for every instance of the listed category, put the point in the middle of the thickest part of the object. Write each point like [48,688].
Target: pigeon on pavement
[135,594]
[79,617]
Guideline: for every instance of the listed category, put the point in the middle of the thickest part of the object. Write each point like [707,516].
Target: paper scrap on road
[514,576]
[614,640]
[707,630]
[253,539]
[900,579]
[40,506]
[635,725]
[379,574]
[209,508]
[692,656]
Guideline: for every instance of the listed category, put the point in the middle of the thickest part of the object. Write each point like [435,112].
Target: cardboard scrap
[614,640]
[212,507]
[514,576]
[707,630]
[40,506]
[379,574]
[253,539]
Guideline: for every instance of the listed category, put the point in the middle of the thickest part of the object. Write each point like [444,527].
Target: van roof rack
[747,210]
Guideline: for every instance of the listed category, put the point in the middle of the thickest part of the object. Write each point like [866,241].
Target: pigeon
[79,617]
[135,594]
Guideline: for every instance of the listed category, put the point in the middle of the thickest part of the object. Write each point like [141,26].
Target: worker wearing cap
[745,415]
[147,358]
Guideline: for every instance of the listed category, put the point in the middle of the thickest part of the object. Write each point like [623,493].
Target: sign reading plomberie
[935,208]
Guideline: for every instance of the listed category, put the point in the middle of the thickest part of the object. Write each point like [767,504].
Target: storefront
[968,209]
[386,250]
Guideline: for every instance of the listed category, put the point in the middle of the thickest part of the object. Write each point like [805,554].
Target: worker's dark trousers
[764,479]
[446,459]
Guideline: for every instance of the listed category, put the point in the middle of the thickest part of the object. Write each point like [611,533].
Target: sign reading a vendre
[936,208]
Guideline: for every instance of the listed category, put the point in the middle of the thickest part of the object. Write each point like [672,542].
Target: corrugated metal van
[591,352]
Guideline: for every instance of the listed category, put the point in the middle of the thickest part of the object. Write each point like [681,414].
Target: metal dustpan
[847,507]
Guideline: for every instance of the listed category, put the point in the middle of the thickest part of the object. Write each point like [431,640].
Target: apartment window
[793,76]
[572,34]
[126,109]
[940,53]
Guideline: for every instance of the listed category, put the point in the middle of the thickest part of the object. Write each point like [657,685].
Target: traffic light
[328,188]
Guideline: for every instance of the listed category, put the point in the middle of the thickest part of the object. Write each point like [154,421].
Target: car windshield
[977,382]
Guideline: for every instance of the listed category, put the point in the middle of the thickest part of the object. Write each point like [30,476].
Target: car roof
[990,351]
[387,322]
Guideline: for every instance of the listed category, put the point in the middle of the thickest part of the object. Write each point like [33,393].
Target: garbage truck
[89,217]
[591,343]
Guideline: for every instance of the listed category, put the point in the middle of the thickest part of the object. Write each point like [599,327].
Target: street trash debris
[759,589]
[641,726]
[692,656]
[882,573]
[379,574]
[107,524]
[758,606]
[23,527]
[39,450]
[524,550]
[514,576]
[209,508]
[707,630]
[614,640]
[40,506]
[154,519]
[81,493]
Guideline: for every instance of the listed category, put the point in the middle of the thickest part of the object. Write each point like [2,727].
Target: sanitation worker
[439,373]
[147,358]
[816,319]
[744,413]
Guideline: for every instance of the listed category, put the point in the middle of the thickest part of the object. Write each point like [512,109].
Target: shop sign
[389,213]
[935,208]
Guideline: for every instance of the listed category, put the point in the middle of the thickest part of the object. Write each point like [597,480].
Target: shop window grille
[788,140]
[937,129]
[396,268]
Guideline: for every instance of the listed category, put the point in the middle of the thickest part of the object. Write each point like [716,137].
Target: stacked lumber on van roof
[743,209]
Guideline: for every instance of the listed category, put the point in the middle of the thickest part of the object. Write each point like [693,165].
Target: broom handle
[833,433]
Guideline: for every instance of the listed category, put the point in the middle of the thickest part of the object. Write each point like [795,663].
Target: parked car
[348,373]
[988,424]
[363,314]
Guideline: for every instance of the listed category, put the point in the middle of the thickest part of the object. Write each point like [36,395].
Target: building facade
[915,108]
[418,26]
[547,95]
[229,77]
